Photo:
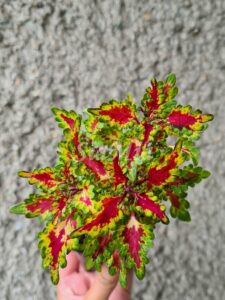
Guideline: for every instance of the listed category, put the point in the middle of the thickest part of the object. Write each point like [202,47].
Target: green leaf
[184,215]
[18,209]
[171,79]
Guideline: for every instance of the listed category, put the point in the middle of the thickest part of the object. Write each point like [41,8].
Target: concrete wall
[74,54]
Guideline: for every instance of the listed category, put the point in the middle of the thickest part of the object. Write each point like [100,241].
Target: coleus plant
[116,167]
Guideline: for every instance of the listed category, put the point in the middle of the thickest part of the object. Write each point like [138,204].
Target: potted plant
[117,166]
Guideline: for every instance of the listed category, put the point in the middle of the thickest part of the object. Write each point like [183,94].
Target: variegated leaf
[116,263]
[183,117]
[151,206]
[160,171]
[105,219]
[95,166]
[119,177]
[55,243]
[139,238]
[117,112]
[84,200]
[70,122]
[159,96]
[42,178]
[134,150]
[67,151]
[103,242]
[179,205]
[187,177]
[148,128]
[44,205]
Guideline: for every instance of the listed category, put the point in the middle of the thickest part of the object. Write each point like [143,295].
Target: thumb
[103,285]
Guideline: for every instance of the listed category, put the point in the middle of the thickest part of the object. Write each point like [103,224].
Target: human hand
[76,283]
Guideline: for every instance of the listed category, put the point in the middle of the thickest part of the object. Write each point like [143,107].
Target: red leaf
[103,242]
[166,89]
[69,121]
[147,203]
[84,200]
[148,128]
[94,123]
[158,176]
[37,205]
[116,259]
[42,178]
[41,205]
[158,94]
[95,166]
[183,117]
[76,139]
[114,111]
[174,199]
[118,174]
[153,104]
[134,149]
[132,236]
[56,243]
[180,180]
[177,119]
[55,240]
[108,213]
[45,178]
[121,114]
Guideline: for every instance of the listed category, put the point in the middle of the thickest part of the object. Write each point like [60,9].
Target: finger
[72,285]
[64,293]
[103,286]
[73,263]
[68,296]
[78,283]
[82,268]
[123,293]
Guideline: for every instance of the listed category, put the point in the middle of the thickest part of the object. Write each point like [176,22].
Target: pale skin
[78,284]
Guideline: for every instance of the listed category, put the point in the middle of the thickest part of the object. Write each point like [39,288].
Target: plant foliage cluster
[114,172]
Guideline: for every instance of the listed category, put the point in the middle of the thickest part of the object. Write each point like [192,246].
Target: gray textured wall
[72,54]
